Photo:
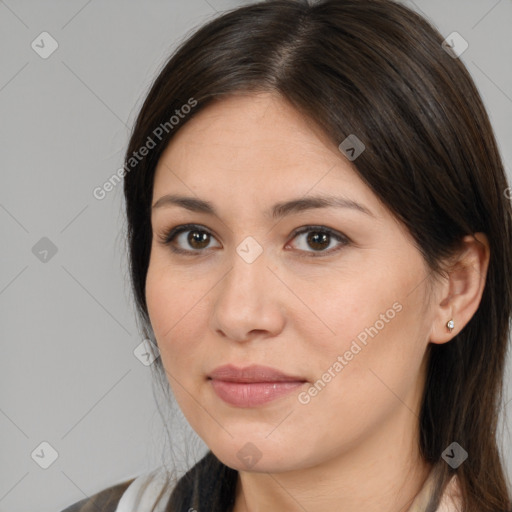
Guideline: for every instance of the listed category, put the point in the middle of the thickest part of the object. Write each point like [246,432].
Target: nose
[249,301]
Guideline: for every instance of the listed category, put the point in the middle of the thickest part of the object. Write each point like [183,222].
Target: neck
[383,474]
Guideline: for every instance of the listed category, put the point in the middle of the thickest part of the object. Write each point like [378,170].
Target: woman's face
[340,308]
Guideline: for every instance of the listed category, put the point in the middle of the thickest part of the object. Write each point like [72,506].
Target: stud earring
[450,324]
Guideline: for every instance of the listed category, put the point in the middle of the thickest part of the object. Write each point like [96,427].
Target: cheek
[374,324]
[177,315]
[352,308]
[356,396]
[176,312]
[374,361]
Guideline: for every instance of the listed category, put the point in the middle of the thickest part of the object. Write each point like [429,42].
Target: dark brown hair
[376,69]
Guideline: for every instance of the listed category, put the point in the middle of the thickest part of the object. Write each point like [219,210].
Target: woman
[320,247]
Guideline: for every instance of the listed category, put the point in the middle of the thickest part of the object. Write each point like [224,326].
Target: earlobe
[462,290]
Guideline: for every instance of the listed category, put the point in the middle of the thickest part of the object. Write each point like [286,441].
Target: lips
[253,385]
[254,373]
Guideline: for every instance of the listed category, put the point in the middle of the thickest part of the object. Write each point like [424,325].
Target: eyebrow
[277,211]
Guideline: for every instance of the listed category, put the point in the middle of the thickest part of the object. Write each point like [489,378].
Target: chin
[259,463]
[259,455]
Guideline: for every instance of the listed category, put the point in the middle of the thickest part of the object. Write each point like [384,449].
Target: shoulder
[451,499]
[104,501]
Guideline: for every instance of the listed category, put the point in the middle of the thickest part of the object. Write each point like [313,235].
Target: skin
[354,446]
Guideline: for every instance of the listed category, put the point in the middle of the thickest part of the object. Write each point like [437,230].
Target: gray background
[69,376]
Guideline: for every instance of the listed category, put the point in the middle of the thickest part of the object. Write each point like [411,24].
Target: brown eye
[319,240]
[187,239]
[193,240]
[198,239]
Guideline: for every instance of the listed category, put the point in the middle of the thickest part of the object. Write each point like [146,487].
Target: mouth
[253,385]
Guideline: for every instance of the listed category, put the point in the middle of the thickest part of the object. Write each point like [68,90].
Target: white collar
[153,484]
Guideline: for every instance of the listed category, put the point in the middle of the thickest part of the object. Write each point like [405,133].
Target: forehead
[250,125]
[257,145]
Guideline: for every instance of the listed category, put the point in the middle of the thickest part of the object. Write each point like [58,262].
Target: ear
[462,290]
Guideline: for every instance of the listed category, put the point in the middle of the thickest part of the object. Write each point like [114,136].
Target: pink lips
[253,385]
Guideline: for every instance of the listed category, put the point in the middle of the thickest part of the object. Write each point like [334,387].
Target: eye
[197,238]
[192,235]
[320,238]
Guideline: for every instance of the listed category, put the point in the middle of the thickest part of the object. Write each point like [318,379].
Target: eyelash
[170,234]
